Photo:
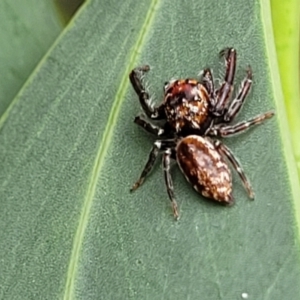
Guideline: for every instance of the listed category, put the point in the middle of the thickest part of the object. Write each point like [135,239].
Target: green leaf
[70,152]
[285,19]
[68,8]
[27,30]
[285,16]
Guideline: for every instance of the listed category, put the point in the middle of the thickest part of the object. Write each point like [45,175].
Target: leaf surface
[70,152]
[287,48]
[27,30]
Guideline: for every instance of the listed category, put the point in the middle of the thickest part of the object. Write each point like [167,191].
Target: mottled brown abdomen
[205,168]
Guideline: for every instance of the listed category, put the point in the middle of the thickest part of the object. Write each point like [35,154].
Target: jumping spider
[194,110]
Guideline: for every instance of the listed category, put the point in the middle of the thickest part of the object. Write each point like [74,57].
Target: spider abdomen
[186,105]
[204,167]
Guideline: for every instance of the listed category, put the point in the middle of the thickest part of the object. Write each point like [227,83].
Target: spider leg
[230,59]
[237,103]
[149,165]
[208,81]
[229,130]
[236,165]
[168,180]
[136,79]
[223,94]
[156,130]
[158,146]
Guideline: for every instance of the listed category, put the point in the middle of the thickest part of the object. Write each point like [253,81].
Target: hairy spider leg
[149,165]
[225,151]
[229,54]
[208,82]
[149,127]
[136,79]
[159,145]
[166,146]
[237,103]
[168,181]
[223,94]
[226,131]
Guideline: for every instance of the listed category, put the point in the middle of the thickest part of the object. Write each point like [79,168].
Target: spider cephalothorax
[193,110]
[187,105]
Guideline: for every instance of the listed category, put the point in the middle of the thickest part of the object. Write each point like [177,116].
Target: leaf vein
[103,147]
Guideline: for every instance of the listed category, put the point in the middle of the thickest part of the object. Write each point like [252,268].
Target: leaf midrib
[103,146]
